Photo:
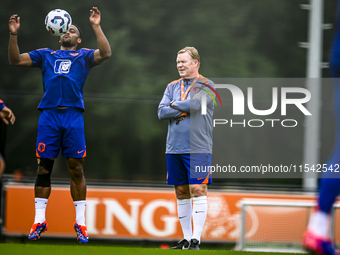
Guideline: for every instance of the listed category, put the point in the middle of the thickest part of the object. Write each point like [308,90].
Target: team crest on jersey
[62,66]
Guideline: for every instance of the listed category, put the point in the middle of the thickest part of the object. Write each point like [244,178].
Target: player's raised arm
[104,49]
[14,56]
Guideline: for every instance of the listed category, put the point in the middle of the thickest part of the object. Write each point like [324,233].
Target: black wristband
[12,33]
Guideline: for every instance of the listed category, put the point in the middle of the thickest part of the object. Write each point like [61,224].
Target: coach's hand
[181,117]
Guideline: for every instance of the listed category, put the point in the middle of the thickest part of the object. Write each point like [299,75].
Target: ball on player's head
[58,22]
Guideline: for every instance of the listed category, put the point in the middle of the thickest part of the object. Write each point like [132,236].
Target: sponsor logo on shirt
[62,66]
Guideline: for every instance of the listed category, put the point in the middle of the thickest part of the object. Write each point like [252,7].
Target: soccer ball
[58,22]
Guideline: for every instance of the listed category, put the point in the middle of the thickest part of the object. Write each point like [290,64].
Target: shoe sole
[78,237]
[81,241]
[38,236]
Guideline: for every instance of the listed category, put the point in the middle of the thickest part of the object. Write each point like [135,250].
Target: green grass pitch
[50,249]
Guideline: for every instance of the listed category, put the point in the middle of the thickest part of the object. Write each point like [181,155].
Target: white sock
[200,208]
[184,211]
[80,212]
[40,210]
[319,224]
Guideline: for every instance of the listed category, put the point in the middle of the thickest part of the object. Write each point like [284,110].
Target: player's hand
[7,114]
[14,23]
[95,16]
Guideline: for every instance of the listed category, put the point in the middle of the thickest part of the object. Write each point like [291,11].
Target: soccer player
[317,236]
[188,144]
[7,116]
[61,124]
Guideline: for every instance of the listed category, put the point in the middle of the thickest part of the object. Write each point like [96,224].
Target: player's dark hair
[80,32]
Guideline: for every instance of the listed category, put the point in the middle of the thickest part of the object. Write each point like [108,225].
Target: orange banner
[129,213]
